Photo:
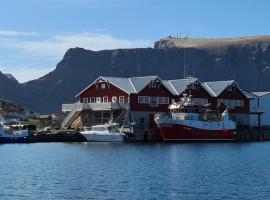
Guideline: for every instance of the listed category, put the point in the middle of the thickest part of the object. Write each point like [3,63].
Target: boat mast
[184,64]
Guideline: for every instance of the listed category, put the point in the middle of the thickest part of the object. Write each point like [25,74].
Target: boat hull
[182,132]
[14,139]
[21,136]
[96,137]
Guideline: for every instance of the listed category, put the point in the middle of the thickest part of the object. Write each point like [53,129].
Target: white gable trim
[173,87]
[213,94]
[132,85]
[100,77]
[77,95]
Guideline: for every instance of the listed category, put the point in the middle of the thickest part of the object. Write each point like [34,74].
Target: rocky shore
[56,136]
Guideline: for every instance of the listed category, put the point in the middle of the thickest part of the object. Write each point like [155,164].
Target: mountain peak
[11,77]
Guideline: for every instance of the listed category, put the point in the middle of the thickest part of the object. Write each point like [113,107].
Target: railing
[162,116]
[94,106]
[257,110]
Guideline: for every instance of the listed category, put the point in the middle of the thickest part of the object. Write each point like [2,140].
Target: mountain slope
[247,62]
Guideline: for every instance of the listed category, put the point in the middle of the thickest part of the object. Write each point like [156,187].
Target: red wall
[237,95]
[109,91]
[154,92]
[198,93]
[162,91]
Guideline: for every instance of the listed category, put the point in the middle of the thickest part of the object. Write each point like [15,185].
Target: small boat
[20,136]
[109,132]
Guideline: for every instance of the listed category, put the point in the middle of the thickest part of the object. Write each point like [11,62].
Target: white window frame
[103,86]
[153,102]
[121,99]
[140,99]
[98,99]
[160,100]
[114,99]
[105,99]
[92,100]
[146,99]
[85,100]
[232,103]
[166,100]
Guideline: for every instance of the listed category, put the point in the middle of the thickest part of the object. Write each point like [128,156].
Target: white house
[261,101]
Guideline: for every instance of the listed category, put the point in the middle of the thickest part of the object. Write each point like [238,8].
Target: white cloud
[17,33]
[57,45]
[43,49]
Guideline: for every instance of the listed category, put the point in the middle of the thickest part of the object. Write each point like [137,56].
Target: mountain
[246,60]
[9,88]
[10,110]
[10,76]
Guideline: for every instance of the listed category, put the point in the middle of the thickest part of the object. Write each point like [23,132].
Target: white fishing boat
[109,132]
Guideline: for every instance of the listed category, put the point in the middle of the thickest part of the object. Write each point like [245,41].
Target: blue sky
[34,34]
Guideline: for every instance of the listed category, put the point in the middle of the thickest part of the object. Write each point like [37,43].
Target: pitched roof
[247,94]
[122,83]
[216,87]
[180,85]
[259,94]
[141,82]
[168,85]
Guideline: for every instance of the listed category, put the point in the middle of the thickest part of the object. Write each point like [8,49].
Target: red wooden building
[145,96]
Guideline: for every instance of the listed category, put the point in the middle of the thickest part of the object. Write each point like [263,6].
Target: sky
[35,34]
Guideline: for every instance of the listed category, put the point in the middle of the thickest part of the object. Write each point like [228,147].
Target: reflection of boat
[109,132]
[190,122]
[19,136]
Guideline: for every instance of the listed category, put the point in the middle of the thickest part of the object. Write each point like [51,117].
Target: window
[140,99]
[92,100]
[98,100]
[173,100]
[231,103]
[121,99]
[114,99]
[160,100]
[105,99]
[146,99]
[166,100]
[85,100]
[199,101]
[103,86]
[229,88]
[153,102]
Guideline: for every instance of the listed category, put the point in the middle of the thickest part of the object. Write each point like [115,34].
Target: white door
[98,100]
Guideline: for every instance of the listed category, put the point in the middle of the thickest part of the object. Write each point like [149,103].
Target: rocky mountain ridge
[247,62]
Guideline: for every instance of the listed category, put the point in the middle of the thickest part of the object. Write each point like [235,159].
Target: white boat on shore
[109,132]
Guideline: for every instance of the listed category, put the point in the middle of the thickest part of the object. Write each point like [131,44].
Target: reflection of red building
[145,96]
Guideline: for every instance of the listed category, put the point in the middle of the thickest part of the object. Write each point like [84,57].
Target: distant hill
[246,60]
[170,42]
[12,110]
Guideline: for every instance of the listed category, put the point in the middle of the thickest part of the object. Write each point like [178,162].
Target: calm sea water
[135,171]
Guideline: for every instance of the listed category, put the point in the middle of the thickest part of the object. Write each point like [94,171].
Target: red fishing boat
[187,121]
